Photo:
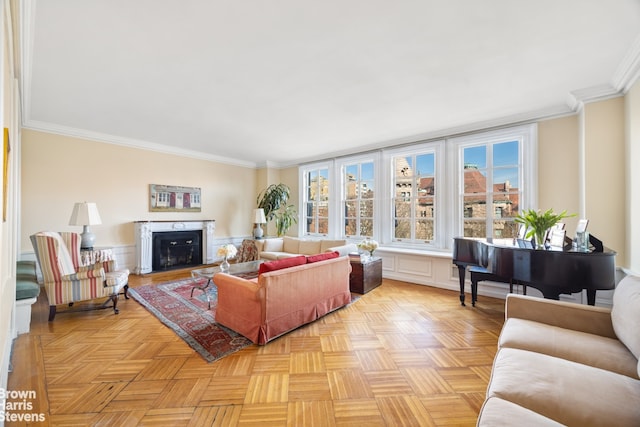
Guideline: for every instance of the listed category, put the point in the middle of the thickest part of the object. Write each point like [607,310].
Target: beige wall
[58,171]
[558,172]
[289,176]
[605,185]
[564,154]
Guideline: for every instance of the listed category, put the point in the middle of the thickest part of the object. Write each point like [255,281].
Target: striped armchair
[67,281]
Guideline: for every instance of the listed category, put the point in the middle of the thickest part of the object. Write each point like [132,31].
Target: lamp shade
[85,213]
[258,216]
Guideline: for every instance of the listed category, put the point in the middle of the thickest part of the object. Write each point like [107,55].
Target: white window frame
[440,196]
[303,174]
[341,164]
[527,135]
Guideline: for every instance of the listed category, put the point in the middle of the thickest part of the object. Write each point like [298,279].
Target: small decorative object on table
[227,252]
[368,245]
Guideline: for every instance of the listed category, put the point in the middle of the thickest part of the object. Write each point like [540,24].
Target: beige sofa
[285,247]
[560,363]
[279,301]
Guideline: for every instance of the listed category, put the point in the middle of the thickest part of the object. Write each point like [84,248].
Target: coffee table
[234,269]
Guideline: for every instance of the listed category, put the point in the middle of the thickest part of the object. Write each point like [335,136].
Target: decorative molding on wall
[628,71]
[131,143]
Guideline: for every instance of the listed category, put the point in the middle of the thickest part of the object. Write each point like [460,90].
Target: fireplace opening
[176,249]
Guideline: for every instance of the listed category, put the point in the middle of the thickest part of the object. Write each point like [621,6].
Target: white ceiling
[279,82]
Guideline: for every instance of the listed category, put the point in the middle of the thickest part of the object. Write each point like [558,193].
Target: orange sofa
[277,302]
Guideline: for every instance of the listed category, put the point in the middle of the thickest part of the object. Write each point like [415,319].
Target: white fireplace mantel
[144,240]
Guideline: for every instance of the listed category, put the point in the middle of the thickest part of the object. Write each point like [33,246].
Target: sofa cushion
[273,245]
[326,244]
[625,314]
[499,412]
[568,392]
[291,245]
[26,288]
[322,257]
[589,349]
[309,247]
[265,267]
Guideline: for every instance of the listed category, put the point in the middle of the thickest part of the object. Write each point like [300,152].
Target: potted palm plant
[538,223]
[273,200]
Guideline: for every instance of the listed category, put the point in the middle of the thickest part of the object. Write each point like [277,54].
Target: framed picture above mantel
[173,198]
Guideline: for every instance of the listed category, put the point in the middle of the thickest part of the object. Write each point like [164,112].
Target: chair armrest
[577,317]
[87,272]
[344,250]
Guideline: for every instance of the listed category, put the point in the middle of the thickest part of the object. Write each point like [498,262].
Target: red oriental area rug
[188,317]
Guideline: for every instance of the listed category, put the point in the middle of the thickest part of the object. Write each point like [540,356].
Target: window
[422,195]
[316,201]
[358,199]
[414,197]
[492,178]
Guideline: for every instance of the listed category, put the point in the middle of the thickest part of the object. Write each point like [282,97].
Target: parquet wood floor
[403,354]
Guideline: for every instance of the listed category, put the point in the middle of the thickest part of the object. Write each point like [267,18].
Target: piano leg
[591,296]
[474,290]
[461,273]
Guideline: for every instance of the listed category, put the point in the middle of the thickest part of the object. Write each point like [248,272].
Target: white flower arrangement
[368,245]
[227,251]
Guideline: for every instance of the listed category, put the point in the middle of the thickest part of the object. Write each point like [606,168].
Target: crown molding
[456,131]
[628,72]
[577,98]
[132,143]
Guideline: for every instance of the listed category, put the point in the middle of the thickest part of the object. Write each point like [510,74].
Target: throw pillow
[272,245]
[309,247]
[322,257]
[265,267]
[625,314]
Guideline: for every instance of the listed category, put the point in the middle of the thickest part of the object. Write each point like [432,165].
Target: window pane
[402,209]
[505,229]
[403,229]
[366,208]
[505,179]
[425,164]
[505,154]
[403,167]
[475,181]
[350,227]
[351,210]
[366,227]
[505,205]
[475,206]
[316,203]
[424,208]
[323,225]
[475,157]
[424,230]
[475,228]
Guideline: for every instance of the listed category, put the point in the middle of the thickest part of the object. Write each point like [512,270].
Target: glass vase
[224,265]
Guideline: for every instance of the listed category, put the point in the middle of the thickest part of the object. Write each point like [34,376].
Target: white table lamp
[85,214]
[258,218]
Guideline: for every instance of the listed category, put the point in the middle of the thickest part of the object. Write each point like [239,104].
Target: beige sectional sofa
[560,363]
[281,300]
[286,247]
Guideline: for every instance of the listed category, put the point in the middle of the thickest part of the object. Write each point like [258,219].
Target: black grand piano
[552,272]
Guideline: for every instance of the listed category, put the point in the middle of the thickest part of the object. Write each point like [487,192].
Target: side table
[365,275]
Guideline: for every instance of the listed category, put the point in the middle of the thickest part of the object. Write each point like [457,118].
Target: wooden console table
[365,275]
